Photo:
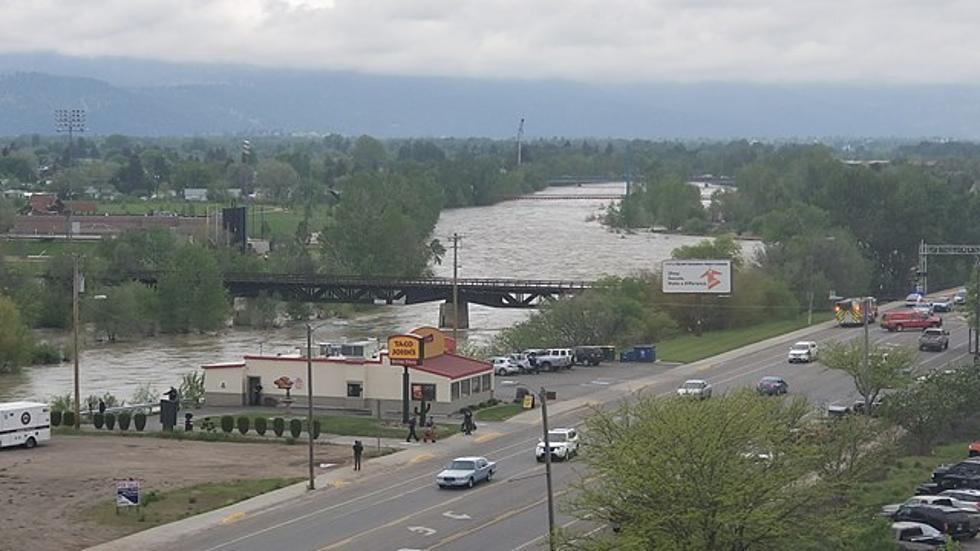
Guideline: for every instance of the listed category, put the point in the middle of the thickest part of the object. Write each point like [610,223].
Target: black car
[772,386]
[956,523]
[965,474]
[588,355]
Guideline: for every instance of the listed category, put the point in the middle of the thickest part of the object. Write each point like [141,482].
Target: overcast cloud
[584,40]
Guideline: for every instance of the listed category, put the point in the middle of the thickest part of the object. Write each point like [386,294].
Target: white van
[24,424]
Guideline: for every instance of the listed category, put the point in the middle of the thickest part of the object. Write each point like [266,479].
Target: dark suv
[948,520]
[588,355]
[965,474]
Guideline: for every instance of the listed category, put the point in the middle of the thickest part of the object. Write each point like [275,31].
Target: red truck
[909,319]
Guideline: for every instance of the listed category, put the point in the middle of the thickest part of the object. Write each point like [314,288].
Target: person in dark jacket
[468,425]
[101,405]
[358,450]
[411,430]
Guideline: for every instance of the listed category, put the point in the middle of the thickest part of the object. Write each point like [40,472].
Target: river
[552,239]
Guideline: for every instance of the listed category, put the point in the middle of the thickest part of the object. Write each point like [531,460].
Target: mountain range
[152,98]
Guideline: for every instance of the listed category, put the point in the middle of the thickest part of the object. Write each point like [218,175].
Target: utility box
[644,353]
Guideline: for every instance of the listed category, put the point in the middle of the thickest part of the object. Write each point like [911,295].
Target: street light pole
[865,310]
[309,399]
[456,287]
[74,324]
[547,470]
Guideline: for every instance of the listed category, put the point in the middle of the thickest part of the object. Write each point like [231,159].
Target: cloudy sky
[583,40]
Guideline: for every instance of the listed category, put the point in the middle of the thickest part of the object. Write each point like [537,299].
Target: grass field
[499,412]
[904,474]
[161,508]
[689,348]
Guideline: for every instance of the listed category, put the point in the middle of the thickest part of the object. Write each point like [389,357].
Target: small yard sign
[127,493]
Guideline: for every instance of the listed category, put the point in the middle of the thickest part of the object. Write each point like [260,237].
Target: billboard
[406,349]
[713,277]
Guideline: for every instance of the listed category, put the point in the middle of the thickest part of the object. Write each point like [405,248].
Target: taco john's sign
[406,349]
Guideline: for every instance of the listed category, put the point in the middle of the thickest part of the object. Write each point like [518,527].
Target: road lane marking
[424,530]
[339,483]
[486,437]
[420,458]
[456,516]
[233,518]
[539,538]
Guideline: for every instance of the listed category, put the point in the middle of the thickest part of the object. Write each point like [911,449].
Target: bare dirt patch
[42,490]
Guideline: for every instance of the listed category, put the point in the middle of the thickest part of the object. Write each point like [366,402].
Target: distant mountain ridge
[154,98]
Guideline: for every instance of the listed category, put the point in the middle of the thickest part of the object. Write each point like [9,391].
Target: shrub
[295,427]
[68,418]
[98,419]
[55,418]
[243,425]
[139,420]
[290,440]
[227,423]
[47,353]
[278,426]
[316,429]
[260,425]
[110,421]
[124,418]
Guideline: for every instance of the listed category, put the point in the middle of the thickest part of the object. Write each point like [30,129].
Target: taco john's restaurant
[362,376]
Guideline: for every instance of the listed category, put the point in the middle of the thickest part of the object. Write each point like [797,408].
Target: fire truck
[847,311]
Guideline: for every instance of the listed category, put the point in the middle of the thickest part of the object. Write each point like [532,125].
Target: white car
[803,352]
[918,535]
[935,501]
[965,495]
[466,471]
[504,366]
[697,388]
[563,442]
[521,360]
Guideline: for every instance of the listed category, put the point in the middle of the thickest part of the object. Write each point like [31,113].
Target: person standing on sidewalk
[411,430]
[358,450]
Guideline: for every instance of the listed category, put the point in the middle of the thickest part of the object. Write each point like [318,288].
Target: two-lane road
[404,510]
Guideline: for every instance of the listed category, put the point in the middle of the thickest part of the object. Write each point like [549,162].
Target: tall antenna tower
[520,137]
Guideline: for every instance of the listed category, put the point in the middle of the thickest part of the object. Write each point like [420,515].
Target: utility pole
[865,309]
[309,400]
[547,470]
[520,138]
[74,324]
[976,311]
[456,285]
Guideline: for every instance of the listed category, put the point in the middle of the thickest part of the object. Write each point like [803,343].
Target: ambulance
[24,424]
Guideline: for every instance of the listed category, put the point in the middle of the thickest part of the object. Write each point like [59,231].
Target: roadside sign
[406,349]
[529,401]
[127,493]
[713,277]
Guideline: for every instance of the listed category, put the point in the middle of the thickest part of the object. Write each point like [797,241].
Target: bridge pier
[462,313]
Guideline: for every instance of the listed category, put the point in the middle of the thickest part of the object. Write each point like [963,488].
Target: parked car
[934,338]
[836,411]
[771,386]
[914,299]
[552,359]
[913,536]
[909,319]
[588,355]
[563,444]
[803,351]
[960,297]
[965,474]
[697,388]
[859,405]
[503,365]
[466,471]
[948,520]
[935,500]
[964,495]
[522,361]
[942,304]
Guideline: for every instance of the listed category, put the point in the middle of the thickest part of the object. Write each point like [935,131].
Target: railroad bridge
[496,293]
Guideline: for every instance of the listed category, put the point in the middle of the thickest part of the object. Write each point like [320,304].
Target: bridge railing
[315,279]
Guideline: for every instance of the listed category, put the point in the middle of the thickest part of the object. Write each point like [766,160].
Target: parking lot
[579,380]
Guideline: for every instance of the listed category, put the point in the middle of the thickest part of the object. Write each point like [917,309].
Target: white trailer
[24,424]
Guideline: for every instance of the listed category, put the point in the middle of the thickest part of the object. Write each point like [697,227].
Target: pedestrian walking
[358,450]
[467,422]
[429,434]
[411,430]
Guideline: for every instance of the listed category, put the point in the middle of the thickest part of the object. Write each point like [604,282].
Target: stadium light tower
[70,121]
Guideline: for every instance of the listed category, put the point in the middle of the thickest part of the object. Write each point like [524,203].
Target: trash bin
[608,353]
[645,353]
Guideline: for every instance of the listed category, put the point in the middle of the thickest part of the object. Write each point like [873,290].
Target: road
[402,509]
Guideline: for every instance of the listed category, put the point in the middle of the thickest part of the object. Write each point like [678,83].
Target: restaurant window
[486,382]
[475,385]
[355,389]
[424,391]
[466,387]
[454,389]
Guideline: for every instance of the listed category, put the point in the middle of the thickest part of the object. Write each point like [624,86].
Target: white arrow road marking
[456,516]
[424,530]
[407,549]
